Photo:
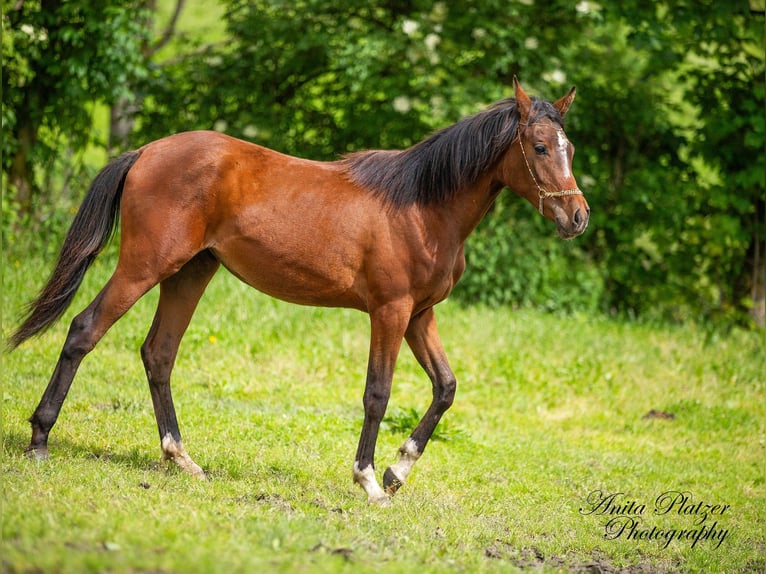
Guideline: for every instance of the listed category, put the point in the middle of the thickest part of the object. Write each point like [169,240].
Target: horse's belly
[304,274]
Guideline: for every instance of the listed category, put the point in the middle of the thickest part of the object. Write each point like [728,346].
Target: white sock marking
[176,452]
[408,456]
[366,479]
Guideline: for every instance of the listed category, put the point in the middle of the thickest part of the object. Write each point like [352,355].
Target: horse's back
[214,167]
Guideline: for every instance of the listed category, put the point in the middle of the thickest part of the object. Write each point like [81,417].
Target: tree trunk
[756,263]
[121,120]
[21,175]
[122,114]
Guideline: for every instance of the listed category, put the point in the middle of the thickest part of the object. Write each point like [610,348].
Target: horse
[381,231]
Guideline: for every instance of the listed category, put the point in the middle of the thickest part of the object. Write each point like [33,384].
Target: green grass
[549,409]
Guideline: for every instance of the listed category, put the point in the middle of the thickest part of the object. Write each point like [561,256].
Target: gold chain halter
[543,194]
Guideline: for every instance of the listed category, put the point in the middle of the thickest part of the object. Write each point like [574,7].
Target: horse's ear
[563,104]
[523,103]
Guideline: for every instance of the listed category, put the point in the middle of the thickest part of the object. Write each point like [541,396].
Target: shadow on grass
[15,443]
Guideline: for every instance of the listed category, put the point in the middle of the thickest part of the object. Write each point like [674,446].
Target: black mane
[451,159]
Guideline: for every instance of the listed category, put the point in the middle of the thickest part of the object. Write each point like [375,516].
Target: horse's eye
[540,149]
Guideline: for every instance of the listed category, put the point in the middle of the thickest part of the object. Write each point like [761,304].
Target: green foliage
[59,58]
[39,230]
[669,233]
[670,127]
[514,258]
[400,421]
[319,78]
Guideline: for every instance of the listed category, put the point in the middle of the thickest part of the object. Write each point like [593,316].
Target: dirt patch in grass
[533,559]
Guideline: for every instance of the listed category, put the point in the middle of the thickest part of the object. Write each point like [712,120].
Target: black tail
[90,232]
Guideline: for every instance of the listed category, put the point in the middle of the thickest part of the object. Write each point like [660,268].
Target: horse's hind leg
[423,339]
[179,295]
[87,328]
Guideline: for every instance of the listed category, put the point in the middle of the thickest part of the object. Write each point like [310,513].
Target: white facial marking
[408,456]
[366,479]
[563,145]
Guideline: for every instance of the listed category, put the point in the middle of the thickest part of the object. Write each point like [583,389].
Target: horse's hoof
[198,473]
[380,501]
[36,453]
[187,466]
[391,482]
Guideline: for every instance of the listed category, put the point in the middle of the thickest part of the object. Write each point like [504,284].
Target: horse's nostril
[577,217]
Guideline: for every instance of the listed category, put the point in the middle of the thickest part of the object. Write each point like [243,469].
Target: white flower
[558,76]
[432,40]
[479,33]
[250,131]
[409,27]
[220,126]
[531,43]
[555,76]
[586,180]
[40,35]
[402,104]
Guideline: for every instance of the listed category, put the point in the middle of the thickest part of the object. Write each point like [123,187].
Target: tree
[123,110]
[59,58]
[727,82]
[321,77]
[685,211]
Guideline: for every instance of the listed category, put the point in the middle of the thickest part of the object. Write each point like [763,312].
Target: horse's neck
[468,207]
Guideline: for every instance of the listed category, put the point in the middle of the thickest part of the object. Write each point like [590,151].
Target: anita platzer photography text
[671,516]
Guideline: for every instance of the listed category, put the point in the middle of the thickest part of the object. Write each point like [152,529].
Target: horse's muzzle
[572,226]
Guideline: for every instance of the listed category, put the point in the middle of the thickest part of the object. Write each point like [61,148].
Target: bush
[515,258]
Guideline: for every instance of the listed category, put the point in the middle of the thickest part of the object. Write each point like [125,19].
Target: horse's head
[538,165]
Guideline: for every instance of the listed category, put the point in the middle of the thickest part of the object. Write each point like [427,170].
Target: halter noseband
[543,194]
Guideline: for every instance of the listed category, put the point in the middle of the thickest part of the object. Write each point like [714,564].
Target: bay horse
[378,231]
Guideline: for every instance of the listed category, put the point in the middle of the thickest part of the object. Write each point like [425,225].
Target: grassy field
[550,410]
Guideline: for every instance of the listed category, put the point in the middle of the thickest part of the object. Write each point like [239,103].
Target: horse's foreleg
[87,328]
[179,295]
[387,330]
[423,339]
